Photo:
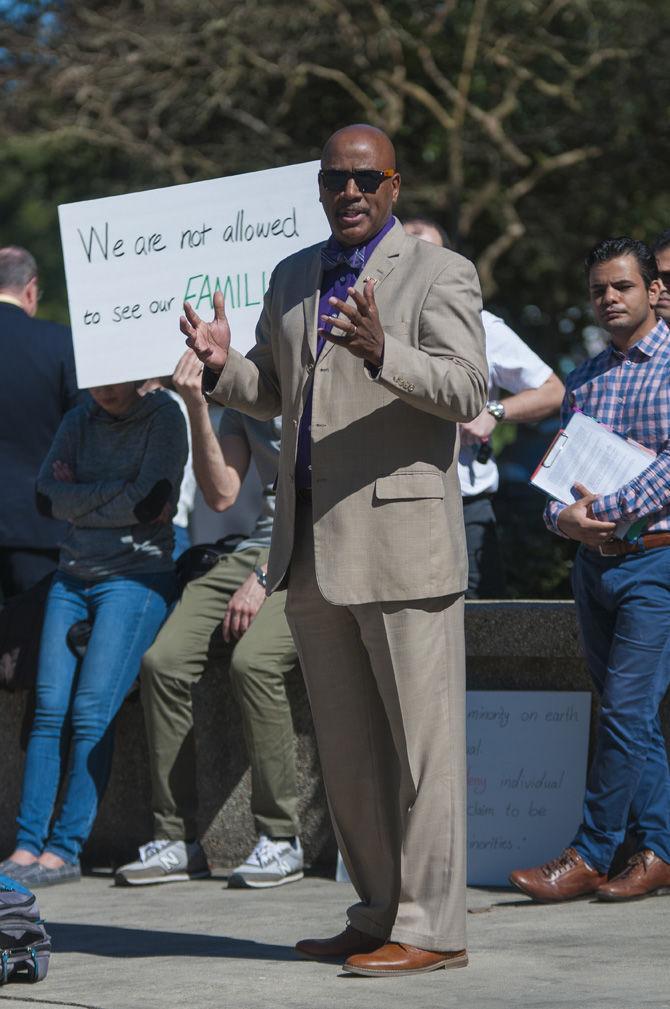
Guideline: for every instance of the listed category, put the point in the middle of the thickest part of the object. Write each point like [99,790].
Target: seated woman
[113,473]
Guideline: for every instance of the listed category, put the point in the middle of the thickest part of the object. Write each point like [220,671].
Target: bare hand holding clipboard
[590,454]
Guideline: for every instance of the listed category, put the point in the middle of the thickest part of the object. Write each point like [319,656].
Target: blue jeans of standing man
[75,707]
[623,608]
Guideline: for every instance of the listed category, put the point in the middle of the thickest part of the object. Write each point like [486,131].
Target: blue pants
[182,540]
[623,608]
[75,707]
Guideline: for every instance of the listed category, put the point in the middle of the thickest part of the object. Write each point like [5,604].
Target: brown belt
[618,548]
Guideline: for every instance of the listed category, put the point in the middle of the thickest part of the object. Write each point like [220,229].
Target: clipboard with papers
[589,453]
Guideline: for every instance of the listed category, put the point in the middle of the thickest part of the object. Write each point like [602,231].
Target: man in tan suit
[372,349]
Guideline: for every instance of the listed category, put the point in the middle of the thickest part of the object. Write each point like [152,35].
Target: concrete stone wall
[510,646]
[226,825]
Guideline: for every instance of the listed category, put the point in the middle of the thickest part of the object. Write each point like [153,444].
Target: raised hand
[360,330]
[187,379]
[209,340]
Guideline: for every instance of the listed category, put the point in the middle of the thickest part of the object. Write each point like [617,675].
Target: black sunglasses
[367,179]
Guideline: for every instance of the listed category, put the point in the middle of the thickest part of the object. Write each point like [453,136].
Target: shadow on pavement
[113,941]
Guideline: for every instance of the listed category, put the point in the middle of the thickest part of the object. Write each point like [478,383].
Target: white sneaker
[164,861]
[271,863]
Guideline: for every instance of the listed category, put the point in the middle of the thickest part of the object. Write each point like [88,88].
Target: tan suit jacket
[386,497]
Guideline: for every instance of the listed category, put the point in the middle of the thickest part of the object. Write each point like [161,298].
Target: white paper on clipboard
[588,453]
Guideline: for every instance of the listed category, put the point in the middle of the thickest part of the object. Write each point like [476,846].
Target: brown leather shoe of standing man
[564,878]
[645,875]
[340,946]
[396,959]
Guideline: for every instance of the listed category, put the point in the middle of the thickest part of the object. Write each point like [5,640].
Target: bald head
[358,210]
[17,267]
[361,135]
[18,276]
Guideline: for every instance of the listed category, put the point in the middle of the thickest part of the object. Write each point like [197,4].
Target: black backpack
[24,944]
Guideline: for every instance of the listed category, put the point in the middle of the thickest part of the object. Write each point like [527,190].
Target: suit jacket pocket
[409,486]
[397,329]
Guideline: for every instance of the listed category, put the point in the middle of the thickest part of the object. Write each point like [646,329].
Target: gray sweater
[127,469]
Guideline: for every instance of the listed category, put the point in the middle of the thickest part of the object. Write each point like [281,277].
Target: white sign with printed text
[527,756]
[131,261]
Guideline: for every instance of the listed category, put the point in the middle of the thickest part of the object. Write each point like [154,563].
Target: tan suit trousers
[386,683]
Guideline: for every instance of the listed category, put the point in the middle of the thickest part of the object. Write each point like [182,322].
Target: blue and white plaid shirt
[630,393]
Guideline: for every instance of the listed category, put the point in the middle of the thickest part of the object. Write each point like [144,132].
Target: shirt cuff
[606,508]
[373,370]
[210,379]
[551,513]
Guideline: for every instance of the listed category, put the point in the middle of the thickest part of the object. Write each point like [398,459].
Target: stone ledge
[523,627]
[520,645]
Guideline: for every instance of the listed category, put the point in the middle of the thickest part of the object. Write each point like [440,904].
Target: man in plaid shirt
[622,591]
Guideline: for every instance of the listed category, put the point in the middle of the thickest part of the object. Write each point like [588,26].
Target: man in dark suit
[37,386]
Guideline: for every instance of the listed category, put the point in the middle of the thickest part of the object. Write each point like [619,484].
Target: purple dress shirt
[334,284]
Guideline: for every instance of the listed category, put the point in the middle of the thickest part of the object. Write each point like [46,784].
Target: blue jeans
[76,705]
[623,608]
[182,540]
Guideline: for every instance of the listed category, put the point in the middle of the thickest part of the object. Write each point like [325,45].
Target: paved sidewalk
[197,945]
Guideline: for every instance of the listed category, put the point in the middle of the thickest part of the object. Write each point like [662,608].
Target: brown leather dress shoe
[340,946]
[645,875]
[398,958]
[564,878]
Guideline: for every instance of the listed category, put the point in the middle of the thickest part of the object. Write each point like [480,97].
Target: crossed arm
[58,494]
[114,503]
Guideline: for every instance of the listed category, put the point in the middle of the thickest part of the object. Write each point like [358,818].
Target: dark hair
[661,241]
[17,268]
[612,248]
[427,222]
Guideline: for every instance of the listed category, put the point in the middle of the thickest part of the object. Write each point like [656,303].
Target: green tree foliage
[523,127]
[528,129]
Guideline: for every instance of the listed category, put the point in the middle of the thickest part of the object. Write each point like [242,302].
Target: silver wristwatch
[262,577]
[496,409]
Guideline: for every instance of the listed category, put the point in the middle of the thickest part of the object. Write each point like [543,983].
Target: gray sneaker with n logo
[164,861]
[271,863]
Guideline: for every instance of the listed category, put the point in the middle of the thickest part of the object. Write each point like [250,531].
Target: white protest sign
[132,260]
[527,755]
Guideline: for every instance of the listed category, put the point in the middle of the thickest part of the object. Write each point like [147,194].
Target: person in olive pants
[190,642]
[223,619]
